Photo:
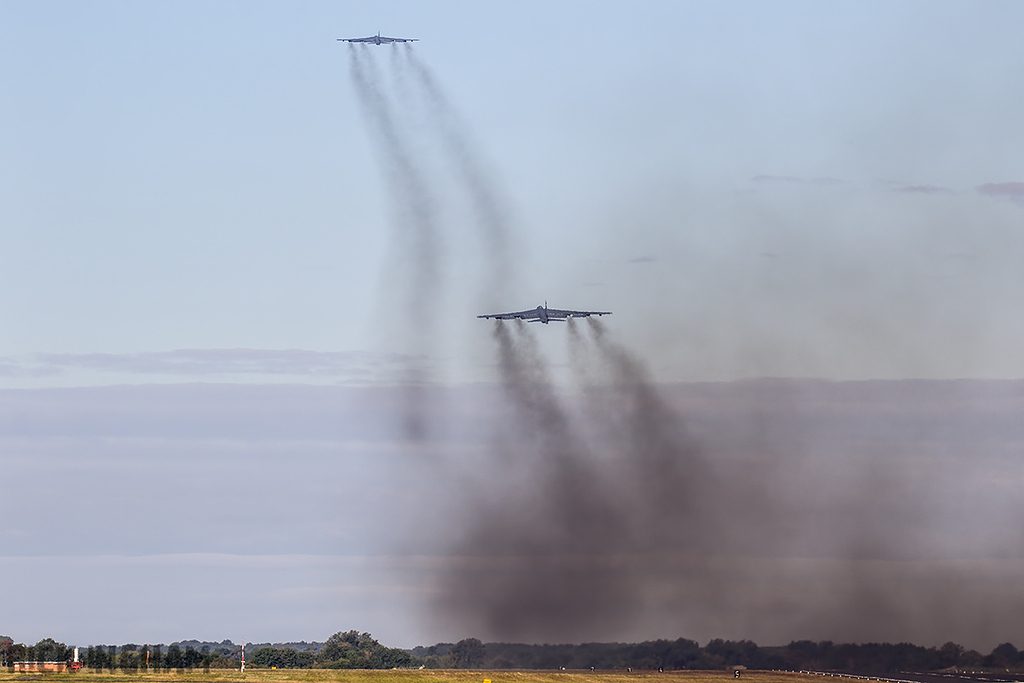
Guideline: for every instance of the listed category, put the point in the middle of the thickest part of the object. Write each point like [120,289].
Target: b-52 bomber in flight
[379,40]
[544,314]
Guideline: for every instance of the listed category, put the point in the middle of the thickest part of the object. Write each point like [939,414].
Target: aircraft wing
[531,314]
[563,315]
[379,40]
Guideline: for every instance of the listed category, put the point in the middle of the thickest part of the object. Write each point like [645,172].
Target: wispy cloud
[817,180]
[1012,191]
[766,178]
[923,189]
[234,488]
[352,365]
[206,593]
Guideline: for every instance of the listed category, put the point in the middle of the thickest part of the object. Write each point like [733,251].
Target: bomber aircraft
[379,40]
[544,314]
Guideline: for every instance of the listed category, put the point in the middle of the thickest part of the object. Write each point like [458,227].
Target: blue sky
[191,196]
[806,177]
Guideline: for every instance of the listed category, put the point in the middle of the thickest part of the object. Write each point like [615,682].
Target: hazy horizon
[242,378]
[287,510]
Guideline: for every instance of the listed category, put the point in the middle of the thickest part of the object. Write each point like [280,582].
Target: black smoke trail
[540,562]
[491,209]
[604,514]
[662,463]
[569,480]
[621,502]
[585,504]
[417,230]
[409,188]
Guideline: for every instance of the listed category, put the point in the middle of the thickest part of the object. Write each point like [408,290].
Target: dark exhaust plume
[538,561]
[618,495]
[418,221]
[491,210]
[416,228]
[659,461]
[602,514]
[419,196]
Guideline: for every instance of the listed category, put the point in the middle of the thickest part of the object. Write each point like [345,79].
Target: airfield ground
[408,676]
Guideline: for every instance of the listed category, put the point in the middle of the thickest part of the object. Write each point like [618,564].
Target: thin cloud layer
[354,366]
[1013,191]
[887,499]
[819,180]
[307,596]
[923,189]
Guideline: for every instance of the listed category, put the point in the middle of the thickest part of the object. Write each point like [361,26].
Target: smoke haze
[491,210]
[599,510]
[617,491]
[417,237]
[241,260]
[895,506]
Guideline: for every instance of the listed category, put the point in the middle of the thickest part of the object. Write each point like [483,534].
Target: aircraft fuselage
[544,314]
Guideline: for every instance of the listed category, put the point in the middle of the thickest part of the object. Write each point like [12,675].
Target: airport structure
[74,665]
[40,666]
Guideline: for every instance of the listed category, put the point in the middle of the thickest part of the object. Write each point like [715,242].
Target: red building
[40,666]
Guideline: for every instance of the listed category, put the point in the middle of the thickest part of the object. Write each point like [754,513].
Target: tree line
[127,657]
[355,650]
[343,650]
[718,654]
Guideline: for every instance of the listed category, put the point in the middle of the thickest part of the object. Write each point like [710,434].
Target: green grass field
[408,676]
